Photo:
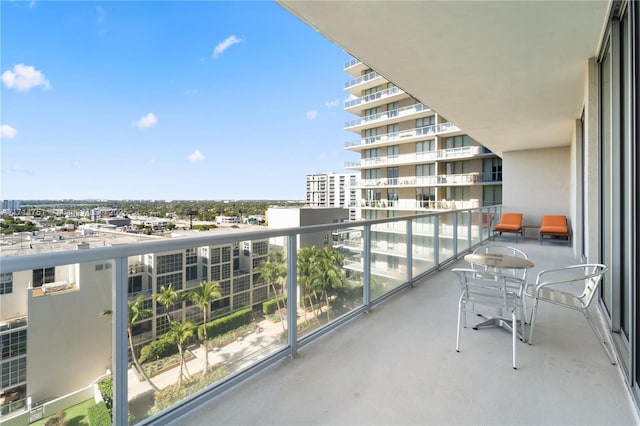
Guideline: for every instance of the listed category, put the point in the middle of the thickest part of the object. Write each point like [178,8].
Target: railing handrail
[45,260]
[431,129]
[418,107]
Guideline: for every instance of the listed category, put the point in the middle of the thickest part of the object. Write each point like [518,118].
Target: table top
[498,261]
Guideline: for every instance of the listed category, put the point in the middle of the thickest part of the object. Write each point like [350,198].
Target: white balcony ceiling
[510,73]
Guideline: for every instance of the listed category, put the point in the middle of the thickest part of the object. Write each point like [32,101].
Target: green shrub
[56,420]
[226,323]
[159,348]
[174,393]
[270,306]
[105,386]
[98,415]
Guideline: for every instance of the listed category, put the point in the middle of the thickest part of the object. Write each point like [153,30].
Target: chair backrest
[487,288]
[587,275]
[511,219]
[504,250]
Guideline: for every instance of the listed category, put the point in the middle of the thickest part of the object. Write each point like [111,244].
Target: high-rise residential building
[10,206]
[333,190]
[412,159]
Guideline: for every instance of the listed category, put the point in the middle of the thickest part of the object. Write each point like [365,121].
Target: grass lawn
[74,416]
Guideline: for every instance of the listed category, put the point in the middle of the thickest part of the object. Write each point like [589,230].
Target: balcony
[371,100]
[388,117]
[354,67]
[403,353]
[411,135]
[418,157]
[463,179]
[398,365]
[357,85]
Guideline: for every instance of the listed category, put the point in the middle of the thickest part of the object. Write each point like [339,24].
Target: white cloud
[224,45]
[191,91]
[102,14]
[196,156]
[146,121]
[311,115]
[21,169]
[24,77]
[151,162]
[7,132]
[32,4]
[332,103]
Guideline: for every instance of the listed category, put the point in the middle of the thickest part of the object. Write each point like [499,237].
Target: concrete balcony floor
[397,365]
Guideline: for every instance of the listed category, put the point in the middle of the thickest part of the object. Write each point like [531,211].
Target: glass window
[6,283]
[425,146]
[425,121]
[426,169]
[457,141]
[169,263]
[43,276]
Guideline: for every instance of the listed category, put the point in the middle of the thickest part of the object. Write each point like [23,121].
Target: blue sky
[166,100]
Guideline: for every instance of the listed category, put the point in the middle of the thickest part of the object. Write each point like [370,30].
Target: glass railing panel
[330,275]
[226,314]
[445,237]
[388,257]
[464,243]
[423,245]
[55,339]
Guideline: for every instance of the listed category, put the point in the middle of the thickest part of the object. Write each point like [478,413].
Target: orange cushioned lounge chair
[554,226]
[509,222]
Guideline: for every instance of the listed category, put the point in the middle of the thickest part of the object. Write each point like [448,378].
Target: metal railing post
[119,344]
[366,267]
[409,254]
[292,293]
[436,241]
[455,233]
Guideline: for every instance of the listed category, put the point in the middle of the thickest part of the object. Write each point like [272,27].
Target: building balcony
[419,158]
[403,355]
[404,136]
[398,365]
[416,205]
[354,67]
[389,117]
[463,179]
[367,81]
[392,94]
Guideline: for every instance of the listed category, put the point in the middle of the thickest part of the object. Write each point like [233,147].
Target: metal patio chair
[572,287]
[490,289]
[520,274]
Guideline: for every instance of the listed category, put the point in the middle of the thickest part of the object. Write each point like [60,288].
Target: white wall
[14,304]
[537,182]
[68,341]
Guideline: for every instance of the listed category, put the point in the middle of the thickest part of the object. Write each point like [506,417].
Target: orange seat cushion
[509,222]
[554,224]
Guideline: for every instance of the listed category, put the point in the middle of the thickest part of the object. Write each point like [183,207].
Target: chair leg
[532,323]
[603,341]
[460,316]
[514,328]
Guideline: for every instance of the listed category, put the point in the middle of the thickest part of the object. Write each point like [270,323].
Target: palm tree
[274,271]
[202,296]
[331,274]
[179,333]
[136,313]
[166,297]
[307,273]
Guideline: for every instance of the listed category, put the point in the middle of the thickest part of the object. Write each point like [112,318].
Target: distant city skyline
[166,101]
